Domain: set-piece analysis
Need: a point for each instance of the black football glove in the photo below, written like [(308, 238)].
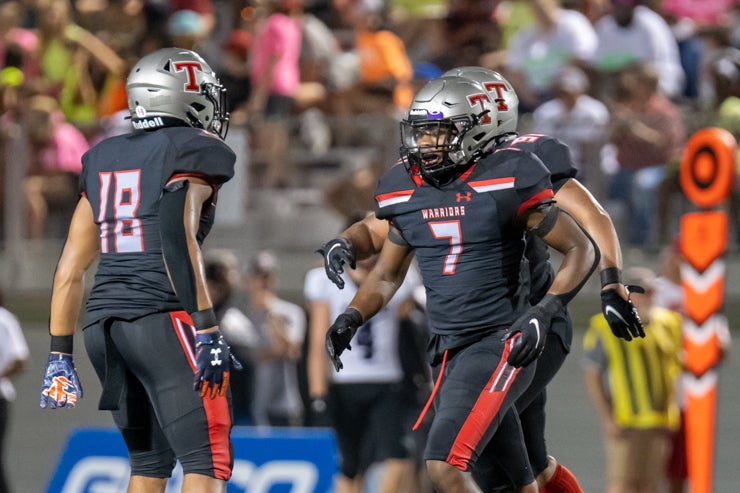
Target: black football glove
[(339, 335), (213, 360), (318, 413), (621, 314), (533, 327), (336, 253)]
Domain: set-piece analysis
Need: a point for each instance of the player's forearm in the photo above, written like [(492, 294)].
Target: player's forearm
[(366, 237), (580, 257), (180, 210), (317, 367), (66, 303)]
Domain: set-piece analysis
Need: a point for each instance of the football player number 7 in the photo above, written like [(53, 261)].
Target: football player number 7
[(450, 231), (122, 188)]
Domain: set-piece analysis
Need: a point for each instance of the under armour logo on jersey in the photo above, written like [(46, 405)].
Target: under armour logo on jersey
[(460, 197), (189, 68), (216, 361)]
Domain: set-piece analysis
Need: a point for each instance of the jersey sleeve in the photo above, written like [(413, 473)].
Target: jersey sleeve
[(531, 181), (394, 190), (81, 180), (203, 154), (558, 160)]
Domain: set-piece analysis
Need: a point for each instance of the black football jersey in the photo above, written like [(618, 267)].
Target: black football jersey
[(537, 272), (123, 179), (467, 240)]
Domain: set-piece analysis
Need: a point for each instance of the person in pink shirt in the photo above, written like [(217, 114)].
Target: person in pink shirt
[(55, 151), (275, 79)]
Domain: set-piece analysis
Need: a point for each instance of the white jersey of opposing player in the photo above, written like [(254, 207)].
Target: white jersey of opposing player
[(374, 355)]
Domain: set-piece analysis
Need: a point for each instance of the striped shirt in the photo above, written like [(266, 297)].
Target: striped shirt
[(641, 374)]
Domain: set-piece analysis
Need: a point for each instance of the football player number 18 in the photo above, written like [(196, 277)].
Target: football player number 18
[(122, 187)]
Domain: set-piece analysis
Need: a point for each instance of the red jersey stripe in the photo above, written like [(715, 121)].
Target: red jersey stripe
[(485, 409), (535, 199)]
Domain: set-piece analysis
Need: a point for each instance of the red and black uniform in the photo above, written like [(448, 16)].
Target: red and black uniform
[(536, 278), (138, 337), (469, 242)]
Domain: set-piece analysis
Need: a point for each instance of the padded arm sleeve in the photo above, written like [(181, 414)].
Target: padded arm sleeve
[(175, 244)]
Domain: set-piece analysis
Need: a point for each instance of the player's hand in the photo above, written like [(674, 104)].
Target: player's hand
[(61, 386), (340, 334), (336, 253), (621, 314), (533, 327), (213, 360), (318, 413)]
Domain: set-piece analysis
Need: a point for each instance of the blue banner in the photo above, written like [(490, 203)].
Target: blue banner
[(269, 460)]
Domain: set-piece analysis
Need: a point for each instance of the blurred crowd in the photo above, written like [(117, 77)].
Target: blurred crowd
[(623, 82)]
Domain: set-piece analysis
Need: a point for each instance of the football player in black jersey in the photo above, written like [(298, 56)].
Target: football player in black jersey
[(365, 238), (464, 213), (147, 201)]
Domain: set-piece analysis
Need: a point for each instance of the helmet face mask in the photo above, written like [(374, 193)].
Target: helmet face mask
[(449, 122), (173, 86)]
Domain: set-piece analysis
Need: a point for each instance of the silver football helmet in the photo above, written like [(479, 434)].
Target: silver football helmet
[(499, 89), (450, 122), (175, 85)]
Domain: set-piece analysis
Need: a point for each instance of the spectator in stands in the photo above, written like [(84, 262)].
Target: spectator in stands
[(632, 33), (74, 62), (56, 147), (578, 120), (632, 387), (687, 20), (281, 326), (364, 403), (369, 109), (647, 132), (275, 80), (187, 29), (536, 53), (223, 280), (235, 74)]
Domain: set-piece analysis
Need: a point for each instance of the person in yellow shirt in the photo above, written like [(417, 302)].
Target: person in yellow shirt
[(632, 386)]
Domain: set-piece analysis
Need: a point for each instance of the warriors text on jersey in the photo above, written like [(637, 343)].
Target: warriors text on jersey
[(123, 178), (467, 240)]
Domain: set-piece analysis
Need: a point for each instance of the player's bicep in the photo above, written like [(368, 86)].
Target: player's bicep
[(83, 241), (395, 257)]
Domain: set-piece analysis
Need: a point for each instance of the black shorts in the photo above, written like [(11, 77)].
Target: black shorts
[(490, 471), (146, 367), (477, 390), (368, 419)]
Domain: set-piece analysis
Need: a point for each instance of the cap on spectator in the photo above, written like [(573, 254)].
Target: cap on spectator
[(238, 42), (571, 79), (263, 263), (185, 23)]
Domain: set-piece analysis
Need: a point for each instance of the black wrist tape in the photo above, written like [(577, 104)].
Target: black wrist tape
[(204, 319), (610, 275), (61, 344)]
